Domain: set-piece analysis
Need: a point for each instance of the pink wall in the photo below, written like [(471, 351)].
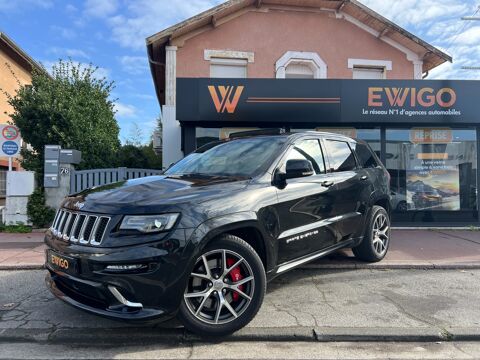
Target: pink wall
[(270, 35)]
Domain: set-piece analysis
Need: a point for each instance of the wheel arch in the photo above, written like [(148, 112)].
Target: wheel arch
[(243, 225), (385, 203)]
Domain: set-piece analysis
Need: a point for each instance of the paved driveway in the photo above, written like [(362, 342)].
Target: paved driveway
[(341, 301)]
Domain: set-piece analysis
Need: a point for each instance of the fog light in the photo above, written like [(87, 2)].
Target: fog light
[(126, 267)]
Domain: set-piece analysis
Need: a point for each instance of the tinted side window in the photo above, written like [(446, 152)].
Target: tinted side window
[(311, 151), (341, 156), (365, 156)]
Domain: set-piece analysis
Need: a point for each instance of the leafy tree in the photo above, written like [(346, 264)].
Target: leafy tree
[(71, 107), (135, 135), (139, 157)]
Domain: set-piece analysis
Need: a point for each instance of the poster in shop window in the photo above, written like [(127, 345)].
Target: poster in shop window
[(432, 170)]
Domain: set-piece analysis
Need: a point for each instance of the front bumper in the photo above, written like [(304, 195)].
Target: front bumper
[(152, 293), (72, 297)]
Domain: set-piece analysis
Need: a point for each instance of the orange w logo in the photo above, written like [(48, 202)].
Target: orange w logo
[(228, 98)]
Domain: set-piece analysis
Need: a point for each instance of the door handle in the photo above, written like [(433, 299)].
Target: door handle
[(327, 183), (364, 177)]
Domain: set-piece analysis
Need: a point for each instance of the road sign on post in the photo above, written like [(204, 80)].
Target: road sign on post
[(9, 142)]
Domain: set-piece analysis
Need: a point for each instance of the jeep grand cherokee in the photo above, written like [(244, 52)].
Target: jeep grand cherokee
[(201, 241)]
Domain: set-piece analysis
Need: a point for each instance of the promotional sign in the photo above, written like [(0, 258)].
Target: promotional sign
[(430, 135), (9, 140), (432, 174), (326, 100)]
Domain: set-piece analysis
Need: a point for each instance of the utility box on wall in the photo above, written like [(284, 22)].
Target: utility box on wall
[(20, 185)]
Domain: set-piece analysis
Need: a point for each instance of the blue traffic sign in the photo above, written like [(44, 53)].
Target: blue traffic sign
[(9, 148)]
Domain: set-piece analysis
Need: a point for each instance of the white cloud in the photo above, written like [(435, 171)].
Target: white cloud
[(143, 18), (71, 8), (21, 5), (144, 96), (134, 65), (73, 53), (66, 33), (125, 110), (415, 12), (101, 8), (100, 72), (439, 23), (470, 36)]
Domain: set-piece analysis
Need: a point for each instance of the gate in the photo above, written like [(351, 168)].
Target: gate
[(84, 179)]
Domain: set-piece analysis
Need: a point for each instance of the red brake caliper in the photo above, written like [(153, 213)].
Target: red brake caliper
[(235, 275)]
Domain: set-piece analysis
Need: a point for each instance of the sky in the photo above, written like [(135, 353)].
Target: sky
[(111, 35)]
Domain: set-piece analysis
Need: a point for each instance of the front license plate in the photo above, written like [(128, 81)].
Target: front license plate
[(62, 263)]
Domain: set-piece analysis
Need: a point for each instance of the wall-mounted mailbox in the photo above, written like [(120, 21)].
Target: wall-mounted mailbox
[(70, 156), (52, 152), (51, 166)]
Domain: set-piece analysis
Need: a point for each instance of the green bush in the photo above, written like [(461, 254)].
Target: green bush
[(38, 213)]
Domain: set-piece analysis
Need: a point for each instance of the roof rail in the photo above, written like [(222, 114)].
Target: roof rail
[(274, 131)]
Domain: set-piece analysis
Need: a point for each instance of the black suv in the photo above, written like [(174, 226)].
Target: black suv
[(201, 241)]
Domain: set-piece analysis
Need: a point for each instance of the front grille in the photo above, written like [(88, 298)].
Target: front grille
[(79, 227)]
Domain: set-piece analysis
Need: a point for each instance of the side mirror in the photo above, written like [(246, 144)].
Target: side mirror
[(296, 168)]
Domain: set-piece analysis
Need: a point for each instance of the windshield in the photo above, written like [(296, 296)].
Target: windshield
[(239, 157)]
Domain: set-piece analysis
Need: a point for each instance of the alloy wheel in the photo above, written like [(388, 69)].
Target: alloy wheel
[(380, 234), (220, 287)]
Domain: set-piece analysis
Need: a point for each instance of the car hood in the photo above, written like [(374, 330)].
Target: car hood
[(153, 194)]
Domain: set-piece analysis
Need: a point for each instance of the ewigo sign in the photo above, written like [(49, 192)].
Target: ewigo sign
[(399, 96), (225, 98), (326, 101)]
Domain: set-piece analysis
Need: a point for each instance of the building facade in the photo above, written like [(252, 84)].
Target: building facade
[(16, 68), (324, 65)]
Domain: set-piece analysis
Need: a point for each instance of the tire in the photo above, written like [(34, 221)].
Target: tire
[(199, 313), (376, 239), (402, 206)]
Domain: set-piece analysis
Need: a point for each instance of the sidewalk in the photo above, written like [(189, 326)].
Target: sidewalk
[(408, 249), (22, 251)]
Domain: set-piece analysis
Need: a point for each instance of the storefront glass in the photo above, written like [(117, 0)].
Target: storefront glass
[(433, 169), (371, 136), (433, 174), (205, 135)]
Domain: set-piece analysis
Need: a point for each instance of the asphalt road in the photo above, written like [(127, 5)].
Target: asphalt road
[(248, 350), (307, 305)]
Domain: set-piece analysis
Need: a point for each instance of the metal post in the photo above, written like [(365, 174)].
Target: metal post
[(122, 173), (478, 174), (383, 145), (10, 167)]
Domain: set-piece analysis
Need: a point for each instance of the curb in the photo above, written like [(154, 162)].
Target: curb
[(137, 336), (378, 266), (22, 267)]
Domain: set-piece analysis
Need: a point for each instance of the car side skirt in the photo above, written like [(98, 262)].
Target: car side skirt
[(297, 262)]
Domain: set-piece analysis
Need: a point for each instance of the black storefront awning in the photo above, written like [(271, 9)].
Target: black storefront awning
[(439, 102)]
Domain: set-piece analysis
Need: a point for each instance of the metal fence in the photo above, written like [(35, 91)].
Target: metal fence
[(84, 179)]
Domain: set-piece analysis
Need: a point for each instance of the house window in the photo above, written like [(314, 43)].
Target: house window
[(369, 69), (360, 72), (228, 68), (300, 65), (299, 71)]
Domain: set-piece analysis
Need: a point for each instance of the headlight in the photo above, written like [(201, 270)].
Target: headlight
[(149, 223)]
